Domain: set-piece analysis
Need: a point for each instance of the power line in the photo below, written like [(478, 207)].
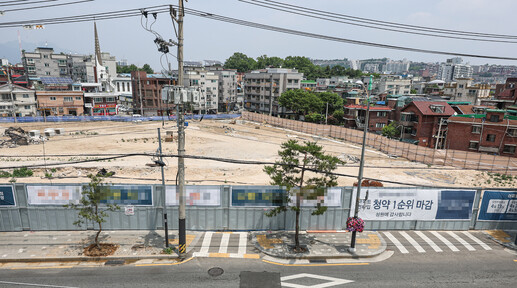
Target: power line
[(17, 4), (312, 13), (392, 24), (47, 6)]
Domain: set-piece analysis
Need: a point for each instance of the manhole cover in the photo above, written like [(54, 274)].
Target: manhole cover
[(215, 271)]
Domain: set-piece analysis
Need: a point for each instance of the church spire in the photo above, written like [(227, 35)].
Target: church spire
[(97, 45)]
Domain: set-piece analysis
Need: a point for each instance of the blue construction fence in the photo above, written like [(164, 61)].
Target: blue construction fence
[(112, 118), (221, 207)]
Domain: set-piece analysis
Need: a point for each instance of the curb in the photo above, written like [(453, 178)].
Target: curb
[(86, 259)]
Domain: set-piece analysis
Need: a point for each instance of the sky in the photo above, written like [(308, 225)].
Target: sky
[(207, 39)]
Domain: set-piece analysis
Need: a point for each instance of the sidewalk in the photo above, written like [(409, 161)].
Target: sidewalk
[(505, 238), (58, 246), (323, 245)]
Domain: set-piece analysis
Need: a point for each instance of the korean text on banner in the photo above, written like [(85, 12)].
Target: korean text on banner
[(7, 196), (498, 205), (53, 194), (195, 196), (413, 204)]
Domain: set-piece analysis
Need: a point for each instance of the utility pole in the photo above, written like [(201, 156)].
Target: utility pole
[(181, 139), (361, 165), (326, 113), (164, 191), (140, 95)]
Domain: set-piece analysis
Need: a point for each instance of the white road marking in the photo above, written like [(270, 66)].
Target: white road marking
[(331, 281), (429, 241), (206, 242), (31, 284), (463, 242), (396, 242), (223, 248), (413, 242), (243, 240), (479, 242), (445, 241)]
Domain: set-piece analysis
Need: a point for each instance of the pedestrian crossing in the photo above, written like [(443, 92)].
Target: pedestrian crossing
[(438, 241), (224, 245)]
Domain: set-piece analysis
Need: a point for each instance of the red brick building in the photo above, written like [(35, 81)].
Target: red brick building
[(505, 95), (147, 94), (492, 133), (378, 118), (421, 120)]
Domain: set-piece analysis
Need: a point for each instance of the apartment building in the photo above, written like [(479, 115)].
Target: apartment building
[(17, 100), (393, 84), (492, 132), (44, 62), (263, 87), (453, 69), (147, 94), (227, 93), (463, 89), (206, 82)]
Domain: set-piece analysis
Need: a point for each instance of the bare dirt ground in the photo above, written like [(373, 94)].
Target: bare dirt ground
[(215, 138)]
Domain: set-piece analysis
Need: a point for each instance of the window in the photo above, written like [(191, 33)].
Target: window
[(110, 99), (78, 98), (31, 70), (476, 129), (97, 99), (47, 65), (460, 86), (512, 132), (510, 149), (45, 56), (47, 73), (437, 108), (380, 125), (214, 81), (68, 99), (30, 61), (381, 114), (25, 96), (494, 118), (474, 145), (52, 98), (62, 62), (27, 107), (118, 87), (490, 137)]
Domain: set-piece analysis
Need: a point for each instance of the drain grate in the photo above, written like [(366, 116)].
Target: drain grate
[(317, 261), (215, 271), (114, 262)]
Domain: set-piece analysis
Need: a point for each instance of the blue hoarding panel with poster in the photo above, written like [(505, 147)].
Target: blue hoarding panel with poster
[(498, 205), (7, 196)]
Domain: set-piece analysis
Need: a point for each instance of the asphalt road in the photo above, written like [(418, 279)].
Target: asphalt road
[(494, 268)]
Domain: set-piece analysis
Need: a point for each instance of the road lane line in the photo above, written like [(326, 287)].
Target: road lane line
[(223, 247), (445, 241), (479, 242), (206, 243), (413, 242), (37, 285), (396, 242), (463, 242), (429, 241), (243, 241)]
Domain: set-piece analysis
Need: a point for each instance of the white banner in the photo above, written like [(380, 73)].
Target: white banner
[(396, 204), (331, 198), (195, 196), (53, 195)]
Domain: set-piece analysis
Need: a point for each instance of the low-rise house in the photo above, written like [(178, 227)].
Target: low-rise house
[(425, 122), (59, 103), (355, 117), (492, 132), (18, 100)]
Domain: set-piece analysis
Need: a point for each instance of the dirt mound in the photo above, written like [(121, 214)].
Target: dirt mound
[(106, 249)]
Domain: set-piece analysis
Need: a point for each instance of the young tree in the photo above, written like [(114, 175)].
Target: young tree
[(89, 207), (391, 131), (302, 169)]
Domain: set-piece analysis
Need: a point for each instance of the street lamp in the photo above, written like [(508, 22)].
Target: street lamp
[(361, 164)]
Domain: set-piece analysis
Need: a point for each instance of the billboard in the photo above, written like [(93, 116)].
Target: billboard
[(7, 196), (498, 205), (195, 196), (53, 194), (414, 204)]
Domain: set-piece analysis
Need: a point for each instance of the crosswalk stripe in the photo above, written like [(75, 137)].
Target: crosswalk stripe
[(463, 242), (479, 242), (242, 243), (429, 241), (223, 247), (396, 242), (206, 242), (413, 242), (445, 241)]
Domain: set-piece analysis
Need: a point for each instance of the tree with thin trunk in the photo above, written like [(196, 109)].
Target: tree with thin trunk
[(89, 207), (305, 171)]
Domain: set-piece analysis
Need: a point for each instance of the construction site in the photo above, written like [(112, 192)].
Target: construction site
[(66, 152)]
